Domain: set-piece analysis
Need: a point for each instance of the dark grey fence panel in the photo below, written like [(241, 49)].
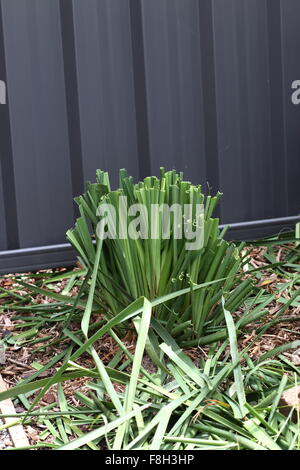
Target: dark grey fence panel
[(203, 86), (3, 240), (105, 85), (174, 86), (290, 72), (38, 121), (243, 103)]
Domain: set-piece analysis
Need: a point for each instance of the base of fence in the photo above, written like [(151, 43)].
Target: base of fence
[(63, 255)]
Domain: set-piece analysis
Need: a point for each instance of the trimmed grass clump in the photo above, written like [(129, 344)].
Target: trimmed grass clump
[(123, 269)]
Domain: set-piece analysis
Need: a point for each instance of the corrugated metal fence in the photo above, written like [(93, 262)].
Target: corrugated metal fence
[(200, 85)]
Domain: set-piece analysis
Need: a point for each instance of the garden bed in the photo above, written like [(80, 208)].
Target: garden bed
[(40, 329)]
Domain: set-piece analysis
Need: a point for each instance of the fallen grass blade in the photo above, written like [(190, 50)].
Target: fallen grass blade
[(237, 372), (100, 432)]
